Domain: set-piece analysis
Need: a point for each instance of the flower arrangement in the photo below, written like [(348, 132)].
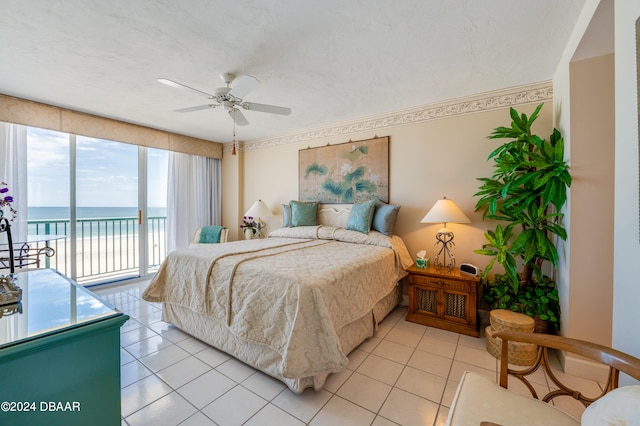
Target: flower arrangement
[(248, 222), (6, 200)]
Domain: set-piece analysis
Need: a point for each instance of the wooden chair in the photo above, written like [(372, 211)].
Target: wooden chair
[(224, 234), (479, 400)]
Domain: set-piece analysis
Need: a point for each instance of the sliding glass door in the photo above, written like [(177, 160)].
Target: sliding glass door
[(107, 198), (107, 224), (156, 196), (48, 194)]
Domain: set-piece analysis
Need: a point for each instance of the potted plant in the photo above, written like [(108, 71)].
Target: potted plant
[(250, 227), (5, 202), (540, 302), (526, 192)]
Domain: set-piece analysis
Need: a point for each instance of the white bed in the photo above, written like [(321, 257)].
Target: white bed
[(293, 305)]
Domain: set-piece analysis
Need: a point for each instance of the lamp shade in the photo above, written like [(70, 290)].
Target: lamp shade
[(259, 209), (445, 211)]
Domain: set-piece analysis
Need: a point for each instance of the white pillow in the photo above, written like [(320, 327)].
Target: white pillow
[(620, 407)]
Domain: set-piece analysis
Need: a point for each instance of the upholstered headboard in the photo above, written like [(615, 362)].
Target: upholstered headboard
[(338, 214), (333, 214)]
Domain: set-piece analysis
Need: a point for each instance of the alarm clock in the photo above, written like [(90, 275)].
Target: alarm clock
[(469, 269)]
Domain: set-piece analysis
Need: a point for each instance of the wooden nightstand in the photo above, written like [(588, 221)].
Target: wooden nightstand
[(443, 299)]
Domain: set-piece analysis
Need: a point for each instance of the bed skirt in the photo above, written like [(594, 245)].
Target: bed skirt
[(264, 358)]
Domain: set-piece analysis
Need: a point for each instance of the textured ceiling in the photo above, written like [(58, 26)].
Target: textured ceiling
[(330, 61)]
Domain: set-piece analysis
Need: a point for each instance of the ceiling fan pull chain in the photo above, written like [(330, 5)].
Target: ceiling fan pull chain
[(233, 150)]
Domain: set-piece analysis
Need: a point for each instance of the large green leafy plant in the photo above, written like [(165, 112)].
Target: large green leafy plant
[(525, 195), (540, 300)]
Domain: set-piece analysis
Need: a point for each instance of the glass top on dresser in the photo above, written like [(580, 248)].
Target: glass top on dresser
[(50, 303)]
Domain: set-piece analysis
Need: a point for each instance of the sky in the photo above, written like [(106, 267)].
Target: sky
[(106, 172)]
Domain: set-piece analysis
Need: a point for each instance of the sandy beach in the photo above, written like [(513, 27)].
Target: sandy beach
[(100, 258)]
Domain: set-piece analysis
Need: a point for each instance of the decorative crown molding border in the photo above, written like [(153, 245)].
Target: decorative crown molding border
[(520, 95)]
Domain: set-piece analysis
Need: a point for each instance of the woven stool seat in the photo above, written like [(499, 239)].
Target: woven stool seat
[(519, 353), (505, 320)]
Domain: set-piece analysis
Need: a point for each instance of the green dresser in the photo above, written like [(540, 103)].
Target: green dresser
[(59, 355)]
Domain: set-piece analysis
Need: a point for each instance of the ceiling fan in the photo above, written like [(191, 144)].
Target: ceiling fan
[(230, 98)]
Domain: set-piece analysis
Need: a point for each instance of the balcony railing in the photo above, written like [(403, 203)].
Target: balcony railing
[(105, 247)]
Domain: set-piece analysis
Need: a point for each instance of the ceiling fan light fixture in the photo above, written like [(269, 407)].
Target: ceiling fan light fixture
[(221, 91), (230, 98), (227, 78)]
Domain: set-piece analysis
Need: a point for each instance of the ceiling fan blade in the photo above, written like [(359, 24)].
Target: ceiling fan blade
[(243, 86), (196, 108), (183, 87), (238, 117), (252, 106)]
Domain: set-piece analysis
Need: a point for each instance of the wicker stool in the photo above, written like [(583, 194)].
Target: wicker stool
[(505, 320)]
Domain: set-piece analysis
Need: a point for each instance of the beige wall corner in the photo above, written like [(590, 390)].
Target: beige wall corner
[(232, 188), (577, 366), (626, 315), (584, 114), (591, 223)]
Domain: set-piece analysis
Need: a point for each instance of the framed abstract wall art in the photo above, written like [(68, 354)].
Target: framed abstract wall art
[(345, 173)]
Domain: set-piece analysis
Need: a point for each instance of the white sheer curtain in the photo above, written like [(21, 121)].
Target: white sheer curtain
[(193, 197), (13, 171)]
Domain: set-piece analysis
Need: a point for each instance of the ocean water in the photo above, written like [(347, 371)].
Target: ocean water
[(91, 223), (57, 213)]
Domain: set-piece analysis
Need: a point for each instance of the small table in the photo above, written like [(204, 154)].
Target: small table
[(26, 251), (59, 354), (444, 299)]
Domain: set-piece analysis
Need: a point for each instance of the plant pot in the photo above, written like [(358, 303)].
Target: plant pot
[(248, 234), (544, 327)]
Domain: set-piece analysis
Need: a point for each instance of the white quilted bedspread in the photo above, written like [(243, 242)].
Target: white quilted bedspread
[(290, 292)]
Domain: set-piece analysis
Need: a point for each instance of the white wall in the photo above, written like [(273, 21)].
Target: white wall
[(626, 298), (562, 120), (626, 240)]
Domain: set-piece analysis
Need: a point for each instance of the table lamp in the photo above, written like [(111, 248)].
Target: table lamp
[(259, 210), (445, 211)]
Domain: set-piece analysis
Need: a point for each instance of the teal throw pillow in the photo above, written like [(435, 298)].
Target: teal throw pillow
[(361, 216), (286, 216), (304, 213), (384, 218)]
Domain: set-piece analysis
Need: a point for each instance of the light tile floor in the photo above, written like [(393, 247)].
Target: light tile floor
[(406, 374)]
